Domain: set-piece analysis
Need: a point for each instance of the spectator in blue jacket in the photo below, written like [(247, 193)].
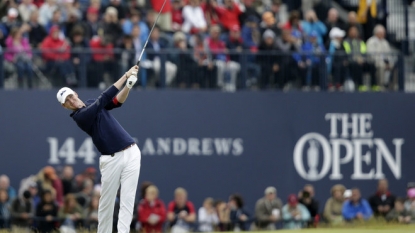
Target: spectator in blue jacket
[(134, 20), (356, 208), (313, 24), (5, 185), (239, 217), (295, 214)]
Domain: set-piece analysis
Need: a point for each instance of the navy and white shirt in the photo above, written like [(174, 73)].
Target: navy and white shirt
[(95, 119)]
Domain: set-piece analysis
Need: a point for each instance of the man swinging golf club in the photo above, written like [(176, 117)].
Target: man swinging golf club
[(121, 159)]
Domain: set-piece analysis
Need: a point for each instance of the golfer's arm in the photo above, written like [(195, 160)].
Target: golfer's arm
[(123, 94), (118, 84)]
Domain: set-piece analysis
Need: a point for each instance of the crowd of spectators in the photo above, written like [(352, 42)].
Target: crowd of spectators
[(48, 201), (223, 44)]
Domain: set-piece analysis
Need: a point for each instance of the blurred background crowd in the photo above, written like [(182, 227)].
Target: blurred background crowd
[(217, 44), (52, 200)]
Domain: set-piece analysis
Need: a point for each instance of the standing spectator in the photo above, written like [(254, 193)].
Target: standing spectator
[(270, 61), (26, 9), (223, 211), (337, 64), (206, 67), (71, 211), (269, 23), (164, 21), (366, 15), (34, 194), (151, 211), (313, 25), (268, 210), (22, 212), (103, 60), (332, 22), (399, 214), (295, 214), (288, 45), (280, 12), (250, 33), (91, 213), (224, 65), (381, 51), (410, 203), (352, 21), (382, 201), (181, 212), (194, 19), (47, 211), (207, 216), (135, 20), (83, 198), (37, 32), (250, 12), (57, 53), (356, 208), (211, 15), (126, 57), (177, 15), (5, 185), (92, 23), (155, 48), (238, 215), (19, 54), (46, 11), (333, 208), (358, 62), (294, 22), (118, 5), (306, 197), (111, 26), (4, 210), (229, 14), (68, 181)]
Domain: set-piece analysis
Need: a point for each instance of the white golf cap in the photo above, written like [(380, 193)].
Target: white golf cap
[(12, 12), (336, 33), (63, 93), (347, 193)]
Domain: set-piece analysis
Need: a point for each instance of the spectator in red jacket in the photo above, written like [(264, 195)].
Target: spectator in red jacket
[(229, 14), (164, 21), (176, 15), (57, 54), (211, 15), (151, 211), (103, 60), (181, 212)]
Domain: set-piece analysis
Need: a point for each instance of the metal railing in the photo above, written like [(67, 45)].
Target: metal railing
[(230, 70)]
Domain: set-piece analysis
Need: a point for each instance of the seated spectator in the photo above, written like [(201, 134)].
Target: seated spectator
[(92, 23), (382, 201), (135, 20), (268, 210), (4, 210), (151, 211), (127, 57), (381, 51), (337, 64), (211, 15), (55, 21), (250, 33), (239, 216), (306, 197), (356, 208), (270, 62), (249, 13), (116, 4), (5, 185), (164, 21), (71, 212), (19, 54), (83, 198), (279, 9), (295, 214), (69, 9), (32, 187), (269, 23), (48, 180), (26, 9), (22, 212), (47, 211), (181, 212), (103, 60), (193, 18), (309, 60), (56, 52), (333, 208), (332, 22), (223, 211), (312, 24), (288, 44), (352, 22), (358, 62), (91, 214), (207, 216), (177, 15), (347, 194), (74, 20), (68, 181), (224, 65), (410, 203), (37, 32), (207, 69), (155, 49), (110, 25), (46, 11), (12, 19), (229, 14), (294, 22), (399, 214)]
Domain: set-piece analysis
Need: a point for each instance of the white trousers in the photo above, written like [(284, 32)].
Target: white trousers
[(171, 70), (121, 169)]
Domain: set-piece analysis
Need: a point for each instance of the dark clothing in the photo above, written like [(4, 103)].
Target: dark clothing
[(91, 29), (107, 134), (189, 208), (43, 210), (359, 28), (329, 26), (4, 215), (250, 12), (120, 9), (233, 44), (112, 31), (267, 59), (236, 222), (155, 48), (68, 186), (187, 70), (37, 34), (20, 206), (312, 207), (274, 28), (379, 199)]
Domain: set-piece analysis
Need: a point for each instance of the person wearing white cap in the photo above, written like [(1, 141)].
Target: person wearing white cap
[(121, 158), (337, 65), (268, 210)]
